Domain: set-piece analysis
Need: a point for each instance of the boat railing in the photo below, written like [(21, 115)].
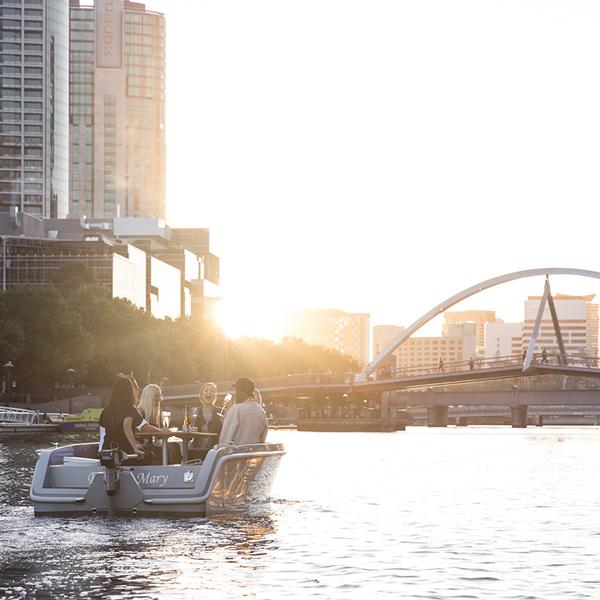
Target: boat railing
[(17, 415)]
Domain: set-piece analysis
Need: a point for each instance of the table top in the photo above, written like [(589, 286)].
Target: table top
[(175, 433)]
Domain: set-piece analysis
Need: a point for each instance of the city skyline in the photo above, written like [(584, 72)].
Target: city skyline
[(322, 193), (381, 159)]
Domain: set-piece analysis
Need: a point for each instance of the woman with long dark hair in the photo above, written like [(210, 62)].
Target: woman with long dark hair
[(121, 418)]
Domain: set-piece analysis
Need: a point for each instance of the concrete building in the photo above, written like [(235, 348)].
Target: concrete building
[(117, 110), (383, 335), (345, 332), (34, 106), (503, 339), (427, 351), (578, 318), (479, 317), (137, 260), (469, 334)]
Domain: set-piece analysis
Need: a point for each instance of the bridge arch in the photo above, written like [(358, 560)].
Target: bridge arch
[(467, 293)]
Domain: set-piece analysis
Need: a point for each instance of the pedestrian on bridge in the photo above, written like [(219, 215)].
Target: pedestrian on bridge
[(544, 356), (471, 363), (441, 365)]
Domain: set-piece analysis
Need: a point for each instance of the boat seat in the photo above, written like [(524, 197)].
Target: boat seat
[(58, 455), (80, 461)]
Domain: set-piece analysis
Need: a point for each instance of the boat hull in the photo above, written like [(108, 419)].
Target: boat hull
[(229, 479)]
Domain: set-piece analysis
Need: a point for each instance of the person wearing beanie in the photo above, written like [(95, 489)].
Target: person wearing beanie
[(246, 421)]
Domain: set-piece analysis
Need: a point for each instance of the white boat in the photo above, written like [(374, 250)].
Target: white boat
[(73, 480)]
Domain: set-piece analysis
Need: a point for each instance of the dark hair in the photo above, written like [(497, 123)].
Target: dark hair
[(244, 388), (122, 398)]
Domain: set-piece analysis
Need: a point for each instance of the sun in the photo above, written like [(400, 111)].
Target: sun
[(248, 319)]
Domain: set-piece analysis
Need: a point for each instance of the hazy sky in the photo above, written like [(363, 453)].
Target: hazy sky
[(380, 156)]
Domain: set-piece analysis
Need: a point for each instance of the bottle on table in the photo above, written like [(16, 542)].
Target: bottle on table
[(186, 420)]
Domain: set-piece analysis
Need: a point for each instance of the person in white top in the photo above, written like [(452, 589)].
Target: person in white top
[(246, 421)]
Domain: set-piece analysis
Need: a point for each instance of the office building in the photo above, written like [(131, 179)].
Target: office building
[(503, 339), (117, 110), (134, 258), (578, 319), (345, 332), (479, 317), (382, 336), (427, 352), (34, 106)]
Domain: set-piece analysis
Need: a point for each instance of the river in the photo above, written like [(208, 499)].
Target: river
[(478, 512)]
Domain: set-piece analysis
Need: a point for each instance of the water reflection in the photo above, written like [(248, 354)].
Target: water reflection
[(478, 512), (130, 557), (124, 557)]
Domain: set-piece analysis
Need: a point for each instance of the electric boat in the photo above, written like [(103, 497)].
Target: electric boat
[(78, 480)]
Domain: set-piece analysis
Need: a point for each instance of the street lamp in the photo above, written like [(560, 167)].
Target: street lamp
[(8, 368), (71, 378)]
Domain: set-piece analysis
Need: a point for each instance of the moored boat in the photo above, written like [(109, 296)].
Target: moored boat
[(73, 480), (86, 421)]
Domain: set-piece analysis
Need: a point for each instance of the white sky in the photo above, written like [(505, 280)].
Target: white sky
[(380, 156)]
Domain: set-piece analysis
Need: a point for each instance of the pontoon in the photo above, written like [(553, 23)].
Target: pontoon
[(76, 479)]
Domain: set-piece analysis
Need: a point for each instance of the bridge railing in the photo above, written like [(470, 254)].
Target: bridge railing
[(511, 360), (295, 380)]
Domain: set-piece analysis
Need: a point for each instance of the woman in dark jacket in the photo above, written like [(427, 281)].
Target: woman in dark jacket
[(120, 419), (208, 419)]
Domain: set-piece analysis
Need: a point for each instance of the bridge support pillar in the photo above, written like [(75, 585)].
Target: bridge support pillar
[(518, 415), (437, 416)]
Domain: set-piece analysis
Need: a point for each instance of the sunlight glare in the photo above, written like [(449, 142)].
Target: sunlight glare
[(249, 319)]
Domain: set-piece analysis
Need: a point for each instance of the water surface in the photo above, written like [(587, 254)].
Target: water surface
[(426, 513)]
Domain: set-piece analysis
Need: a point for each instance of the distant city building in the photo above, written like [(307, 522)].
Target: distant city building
[(135, 258), (469, 334), (503, 339), (427, 351), (34, 106), (578, 319), (479, 317), (345, 332), (383, 335), (117, 110)]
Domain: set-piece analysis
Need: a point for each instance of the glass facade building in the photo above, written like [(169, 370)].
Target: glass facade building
[(117, 119), (34, 111)]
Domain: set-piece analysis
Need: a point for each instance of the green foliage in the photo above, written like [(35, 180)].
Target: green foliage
[(46, 330)]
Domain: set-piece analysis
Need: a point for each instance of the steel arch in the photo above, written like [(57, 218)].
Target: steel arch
[(471, 291)]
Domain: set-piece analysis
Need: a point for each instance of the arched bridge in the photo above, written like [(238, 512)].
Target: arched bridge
[(480, 287), (374, 379)]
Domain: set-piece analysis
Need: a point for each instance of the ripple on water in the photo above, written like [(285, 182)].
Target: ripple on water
[(472, 514)]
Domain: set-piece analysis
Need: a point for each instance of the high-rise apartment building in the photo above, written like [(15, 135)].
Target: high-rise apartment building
[(117, 111), (34, 106)]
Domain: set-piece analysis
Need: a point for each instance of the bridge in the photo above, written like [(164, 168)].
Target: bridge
[(384, 383)]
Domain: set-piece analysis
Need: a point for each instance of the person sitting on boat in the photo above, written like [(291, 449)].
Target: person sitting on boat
[(246, 421), (149, 408), (208, 420), (121, 418)]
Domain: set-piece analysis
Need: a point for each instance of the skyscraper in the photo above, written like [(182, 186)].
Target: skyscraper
[(117, 115), (34, 111)]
